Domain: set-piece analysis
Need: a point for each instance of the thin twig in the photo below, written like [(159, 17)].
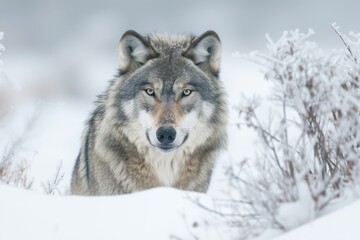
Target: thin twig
[(345, 43)]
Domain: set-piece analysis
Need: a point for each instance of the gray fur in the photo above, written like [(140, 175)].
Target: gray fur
[(120, 152)]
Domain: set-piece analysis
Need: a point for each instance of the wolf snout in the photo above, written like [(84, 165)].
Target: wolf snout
[(166, 135)]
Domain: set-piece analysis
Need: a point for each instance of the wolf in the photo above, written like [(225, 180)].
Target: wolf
[(161, 121)]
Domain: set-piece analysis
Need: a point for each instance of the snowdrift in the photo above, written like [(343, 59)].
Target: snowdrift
[(341, 224), (161, 213)]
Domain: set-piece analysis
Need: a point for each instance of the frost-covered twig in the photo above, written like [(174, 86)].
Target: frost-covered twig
[(336, 29)]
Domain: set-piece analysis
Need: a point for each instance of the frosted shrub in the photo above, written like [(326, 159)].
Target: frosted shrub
[(308, 153), (14, 173)]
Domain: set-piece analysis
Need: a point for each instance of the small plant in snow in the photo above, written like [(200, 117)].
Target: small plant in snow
[(52, 187), (14, 173), (308, 152)]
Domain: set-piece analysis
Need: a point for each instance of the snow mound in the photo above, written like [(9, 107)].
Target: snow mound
[(161, 213), (341, 224)]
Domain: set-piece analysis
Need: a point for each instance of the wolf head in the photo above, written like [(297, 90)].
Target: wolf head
[(168, 95)]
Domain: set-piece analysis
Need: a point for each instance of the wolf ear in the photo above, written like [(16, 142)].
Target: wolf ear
[(134, 51), (205, 52)]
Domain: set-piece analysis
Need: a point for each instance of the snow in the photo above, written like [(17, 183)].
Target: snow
[(154, 214), (303, 209), (341, 224)]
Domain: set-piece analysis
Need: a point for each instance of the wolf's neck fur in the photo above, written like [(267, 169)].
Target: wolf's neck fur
[(166, 165)]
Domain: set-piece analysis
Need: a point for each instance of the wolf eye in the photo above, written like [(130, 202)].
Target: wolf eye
[(150, 91), (187, 92)]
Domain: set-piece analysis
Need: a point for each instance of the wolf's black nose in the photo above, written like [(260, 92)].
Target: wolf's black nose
[(166, 135)]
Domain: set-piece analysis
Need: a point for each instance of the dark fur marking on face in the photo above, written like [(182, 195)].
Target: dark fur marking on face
[(120, 114), (131, 87), (129, 91), (148, 107), (188, 107), (205, 90)]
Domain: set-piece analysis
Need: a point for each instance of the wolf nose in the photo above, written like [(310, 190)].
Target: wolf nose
[(166, 135)]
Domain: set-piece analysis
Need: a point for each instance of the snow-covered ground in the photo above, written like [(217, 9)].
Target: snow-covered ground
[(161, 213), (341, 224)]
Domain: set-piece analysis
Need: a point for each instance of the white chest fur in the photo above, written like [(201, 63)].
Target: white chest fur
[(166, 165)]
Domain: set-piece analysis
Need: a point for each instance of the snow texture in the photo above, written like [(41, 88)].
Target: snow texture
[(341, 224), (161, 213)]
